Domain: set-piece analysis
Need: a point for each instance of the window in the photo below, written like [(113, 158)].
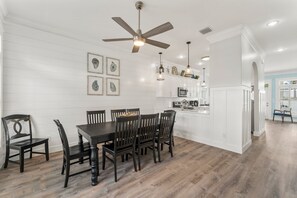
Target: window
[(288, 94)]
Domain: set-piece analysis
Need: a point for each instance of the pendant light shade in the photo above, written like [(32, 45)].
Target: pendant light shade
[(188, 72), (161, 69), (203, 82)]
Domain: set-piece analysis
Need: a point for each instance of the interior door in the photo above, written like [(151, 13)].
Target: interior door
[(268, 113)]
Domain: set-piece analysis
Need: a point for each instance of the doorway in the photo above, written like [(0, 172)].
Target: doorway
[(255, 99)]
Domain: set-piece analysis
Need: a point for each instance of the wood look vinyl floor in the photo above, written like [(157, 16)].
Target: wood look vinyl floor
[(267, 169)]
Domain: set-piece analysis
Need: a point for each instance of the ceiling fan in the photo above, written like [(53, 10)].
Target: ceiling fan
[(138, 38)]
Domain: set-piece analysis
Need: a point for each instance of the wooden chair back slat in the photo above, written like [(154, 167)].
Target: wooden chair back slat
[(148, 127), (117, 113), (95, 117)]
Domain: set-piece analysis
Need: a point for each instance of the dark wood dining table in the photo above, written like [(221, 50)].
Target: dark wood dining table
[(96, 133)]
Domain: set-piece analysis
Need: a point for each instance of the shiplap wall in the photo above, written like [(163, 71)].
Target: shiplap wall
[(45, 75)]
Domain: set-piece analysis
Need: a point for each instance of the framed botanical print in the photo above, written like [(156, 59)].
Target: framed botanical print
[(95, 85), (95, 63), (112, 87), (112, 66)]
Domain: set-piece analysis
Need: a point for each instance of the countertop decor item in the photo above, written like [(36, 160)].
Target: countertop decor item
[(95, 63), (138, 38), (174, 70)]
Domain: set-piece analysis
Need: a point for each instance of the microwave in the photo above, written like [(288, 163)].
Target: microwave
[(182, 92)]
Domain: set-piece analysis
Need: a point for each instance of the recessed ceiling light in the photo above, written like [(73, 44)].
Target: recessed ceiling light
[(181, 56), (200, 63), (205, 58), (272, 23), (280, 50)]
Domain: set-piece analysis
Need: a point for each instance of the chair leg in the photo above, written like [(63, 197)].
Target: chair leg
[(282, 118), (134, 160), (162, 147), (172, 140), (63, 167), (154, 153), (159, 154), (273, 118), (46, 151), (103, 159), (115, 168), (67, 173), (145, 150), (292, 119), (21, 160), (123, 158), (6, 155), (31, 149), (170, 147), (138, 155), (127, 157)]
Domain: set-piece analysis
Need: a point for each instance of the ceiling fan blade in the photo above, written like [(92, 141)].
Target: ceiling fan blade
[(117, 39), (135, 49), (158, 30), (124, 25), (157, 43)]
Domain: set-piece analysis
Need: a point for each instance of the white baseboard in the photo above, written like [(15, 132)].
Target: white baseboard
[(246, 146), (228, 147), (259, 133)]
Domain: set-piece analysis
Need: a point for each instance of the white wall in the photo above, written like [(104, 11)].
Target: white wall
[(45, 75), (225, 63), (2, 140)]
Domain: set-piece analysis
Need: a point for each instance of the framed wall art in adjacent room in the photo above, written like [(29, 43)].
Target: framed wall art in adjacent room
[(95, 63), (112, 66), (95, 85), (112, 87)]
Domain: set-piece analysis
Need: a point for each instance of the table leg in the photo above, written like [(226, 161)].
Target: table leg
[(94, 164), (81, 146)]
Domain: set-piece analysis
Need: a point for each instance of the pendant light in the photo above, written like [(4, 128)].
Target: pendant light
[(203, 82), (161, 69), (188, 72)]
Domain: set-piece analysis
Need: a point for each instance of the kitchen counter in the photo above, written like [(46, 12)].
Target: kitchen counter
[(204, 111)]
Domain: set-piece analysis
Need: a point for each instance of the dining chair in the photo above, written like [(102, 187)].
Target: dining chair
[(71, 153), (171, 130), (95, 117), (135, 111), (18, 136), (147, 134), (116, 113), (164, 135), (124, 141)]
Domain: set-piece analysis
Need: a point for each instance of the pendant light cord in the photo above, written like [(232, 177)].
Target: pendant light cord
[(188, 54), (139, 19)]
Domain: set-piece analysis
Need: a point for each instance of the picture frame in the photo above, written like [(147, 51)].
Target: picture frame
[(113, 66), (113, 86), (95, 85), (95, 63)]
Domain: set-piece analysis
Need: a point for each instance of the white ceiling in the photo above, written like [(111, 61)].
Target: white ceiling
[(92, 18)]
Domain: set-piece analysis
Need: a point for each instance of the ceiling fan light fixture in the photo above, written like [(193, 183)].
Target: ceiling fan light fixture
[(139, 41)]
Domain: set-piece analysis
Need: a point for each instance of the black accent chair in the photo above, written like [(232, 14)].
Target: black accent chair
[(135, 111), (147, 134), (124, 141), (164, 133), (171, 130), (283, 113), (95, 117), (72, 153), (117, 113), (25, 142)]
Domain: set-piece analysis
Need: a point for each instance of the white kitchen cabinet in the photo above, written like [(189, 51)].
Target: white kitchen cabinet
[(168, 87)]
